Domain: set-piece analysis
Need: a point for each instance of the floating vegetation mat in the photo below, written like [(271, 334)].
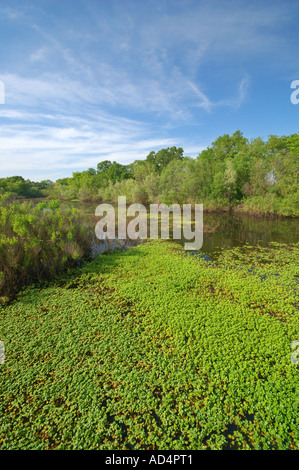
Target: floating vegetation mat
[(151, 349)]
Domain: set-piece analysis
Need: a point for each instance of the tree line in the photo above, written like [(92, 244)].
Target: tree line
[(233, 172)]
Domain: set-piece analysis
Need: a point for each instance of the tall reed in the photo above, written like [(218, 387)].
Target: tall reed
[(38, 241)]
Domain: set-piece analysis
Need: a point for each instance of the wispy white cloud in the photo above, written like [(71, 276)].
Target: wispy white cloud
[(203, 101), (241, 94), (11, 13), (39, 55), (98, 85), (142, 62), (72, 144)]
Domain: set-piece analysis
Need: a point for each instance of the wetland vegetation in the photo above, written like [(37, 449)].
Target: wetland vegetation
[(257, 176), (154, 347)]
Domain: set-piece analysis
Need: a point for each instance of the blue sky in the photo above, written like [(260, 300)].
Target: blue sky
[(94, 80)]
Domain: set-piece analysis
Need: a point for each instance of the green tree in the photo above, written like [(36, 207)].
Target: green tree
[(103, 166), (118, 172), (113, 172), (174, 182), (228, 146), (163, 157)]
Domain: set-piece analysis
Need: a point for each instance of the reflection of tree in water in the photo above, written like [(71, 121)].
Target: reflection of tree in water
[(237, 230), (227, 230)]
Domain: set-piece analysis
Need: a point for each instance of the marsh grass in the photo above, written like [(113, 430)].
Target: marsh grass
[(38, 241)]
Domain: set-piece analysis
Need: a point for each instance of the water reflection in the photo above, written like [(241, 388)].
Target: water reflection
[(237, 230), (227, 230)]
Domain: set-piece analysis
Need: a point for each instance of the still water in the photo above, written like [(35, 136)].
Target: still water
[(227, 230)]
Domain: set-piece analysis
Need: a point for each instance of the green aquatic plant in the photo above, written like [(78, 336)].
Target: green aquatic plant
[(151, 348)]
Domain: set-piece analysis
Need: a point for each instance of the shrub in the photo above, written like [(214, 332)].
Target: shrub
[(37, 241)]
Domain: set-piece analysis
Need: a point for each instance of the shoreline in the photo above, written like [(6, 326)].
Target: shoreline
[(234, 210)]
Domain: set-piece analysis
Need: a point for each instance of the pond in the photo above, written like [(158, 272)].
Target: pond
[(228, 230)]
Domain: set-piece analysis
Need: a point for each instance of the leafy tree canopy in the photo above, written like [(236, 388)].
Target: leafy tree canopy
[(163, 157)]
